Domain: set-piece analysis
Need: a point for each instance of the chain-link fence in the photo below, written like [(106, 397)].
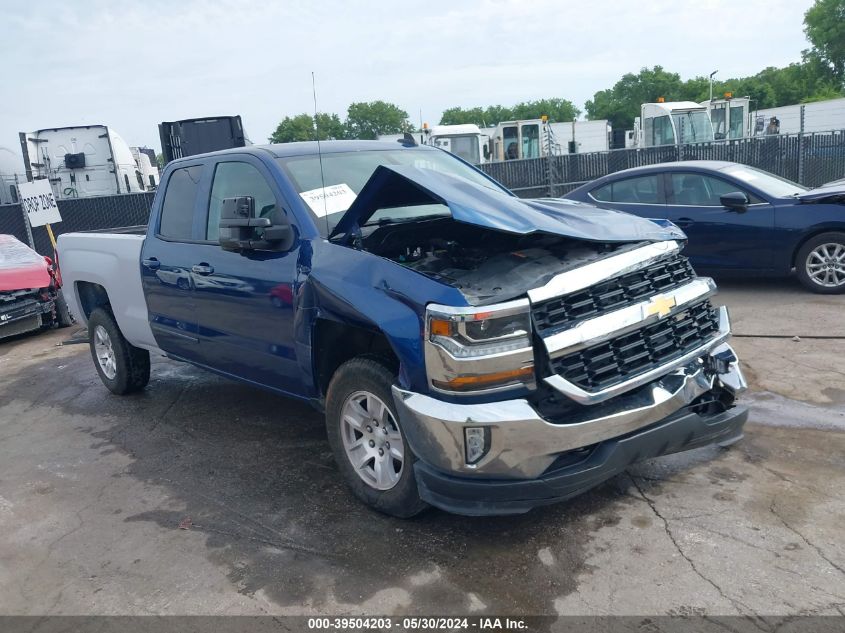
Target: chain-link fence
[(80, 214), (810, 159)]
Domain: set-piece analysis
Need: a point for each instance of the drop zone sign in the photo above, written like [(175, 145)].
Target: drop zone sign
[(38, 203)]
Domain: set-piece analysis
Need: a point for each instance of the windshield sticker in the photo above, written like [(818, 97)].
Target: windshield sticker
[(327, 200)]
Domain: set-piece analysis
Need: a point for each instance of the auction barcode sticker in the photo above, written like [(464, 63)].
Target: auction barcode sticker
[(327, 200)]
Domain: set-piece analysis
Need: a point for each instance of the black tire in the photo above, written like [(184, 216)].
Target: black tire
[(131, 364), (833, 237), (63, 317), (370, 375)]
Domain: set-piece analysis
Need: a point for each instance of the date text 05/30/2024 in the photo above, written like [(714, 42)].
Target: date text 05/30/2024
[(418, 623)]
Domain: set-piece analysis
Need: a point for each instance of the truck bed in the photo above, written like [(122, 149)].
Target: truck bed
[(111, 259)]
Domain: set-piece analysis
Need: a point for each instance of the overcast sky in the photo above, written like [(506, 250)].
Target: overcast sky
[(132, 65)]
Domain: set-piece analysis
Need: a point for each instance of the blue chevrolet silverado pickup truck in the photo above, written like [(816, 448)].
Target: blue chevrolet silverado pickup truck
[(471, 351)]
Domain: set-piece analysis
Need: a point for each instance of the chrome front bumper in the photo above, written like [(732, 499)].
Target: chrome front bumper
[(522, 445)]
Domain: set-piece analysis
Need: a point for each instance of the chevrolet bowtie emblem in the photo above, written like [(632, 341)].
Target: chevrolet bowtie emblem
[(660, 305)]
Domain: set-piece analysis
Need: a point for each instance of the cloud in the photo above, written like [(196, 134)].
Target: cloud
[(132, 66)]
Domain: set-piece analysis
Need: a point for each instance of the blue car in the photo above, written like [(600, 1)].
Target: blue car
[(740, 220)]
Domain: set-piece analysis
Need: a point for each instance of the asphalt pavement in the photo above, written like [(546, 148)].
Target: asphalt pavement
[(204, 496)]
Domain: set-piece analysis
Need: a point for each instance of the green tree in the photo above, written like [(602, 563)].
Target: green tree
[(824, 24), (368, 120), (621, 103), (558, 110), (495, 114), (301, 128), (459, 116)]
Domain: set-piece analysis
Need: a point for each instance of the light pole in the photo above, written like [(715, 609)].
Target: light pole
[(711, 84)]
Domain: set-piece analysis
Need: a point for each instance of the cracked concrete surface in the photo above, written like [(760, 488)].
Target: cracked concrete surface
[(93, 489)]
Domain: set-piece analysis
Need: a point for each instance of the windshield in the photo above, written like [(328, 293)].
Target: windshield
[(693, 127), (346, 173), (465, 147), (774, 186)]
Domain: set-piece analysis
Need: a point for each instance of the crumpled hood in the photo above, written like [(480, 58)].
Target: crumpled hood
[(834, 189), (400, 185), (21, 267)]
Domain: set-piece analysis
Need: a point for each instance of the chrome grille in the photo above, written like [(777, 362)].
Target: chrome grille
[(560, 312), (627, 356)]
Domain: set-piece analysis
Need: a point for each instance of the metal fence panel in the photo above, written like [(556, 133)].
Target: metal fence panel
[(810, 159), (80, 214)]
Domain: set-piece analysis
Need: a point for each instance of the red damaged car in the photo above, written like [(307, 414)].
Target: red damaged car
[(30, 290)]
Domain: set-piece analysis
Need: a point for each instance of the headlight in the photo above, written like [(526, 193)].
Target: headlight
[(479, 348)]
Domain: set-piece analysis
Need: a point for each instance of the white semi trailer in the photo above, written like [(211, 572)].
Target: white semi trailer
[(818, 116), (81, 161)]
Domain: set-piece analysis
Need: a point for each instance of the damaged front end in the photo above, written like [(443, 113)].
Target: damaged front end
[(488, 244), (584, 341)]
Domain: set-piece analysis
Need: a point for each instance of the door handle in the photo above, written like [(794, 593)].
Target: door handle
[(684, 222), (151, 263), (202, 269)]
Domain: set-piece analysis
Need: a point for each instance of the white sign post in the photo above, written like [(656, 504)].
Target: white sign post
[(39, 205)]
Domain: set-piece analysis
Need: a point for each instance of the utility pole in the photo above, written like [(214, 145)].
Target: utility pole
[(711, 84)]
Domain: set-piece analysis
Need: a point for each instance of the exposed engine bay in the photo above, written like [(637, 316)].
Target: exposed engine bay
[(487, 266)]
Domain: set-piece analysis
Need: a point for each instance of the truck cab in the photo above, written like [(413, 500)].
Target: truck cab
[(465, 141), (730, 117), (672, 123), (513, 140)]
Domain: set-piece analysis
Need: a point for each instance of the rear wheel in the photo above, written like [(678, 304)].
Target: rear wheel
[(821, 263), (367, 441), (122, 367)]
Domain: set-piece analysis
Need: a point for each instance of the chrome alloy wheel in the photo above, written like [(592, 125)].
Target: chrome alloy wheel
[(372, 440), (826, 265), (105, 352)]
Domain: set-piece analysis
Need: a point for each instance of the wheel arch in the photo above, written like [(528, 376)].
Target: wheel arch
[(91, 296), (814, 232), (336, 342)]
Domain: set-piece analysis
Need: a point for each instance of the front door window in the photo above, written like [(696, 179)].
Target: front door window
[(510, 142)]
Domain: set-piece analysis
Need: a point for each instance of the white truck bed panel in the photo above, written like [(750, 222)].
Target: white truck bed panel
[(113, 261)]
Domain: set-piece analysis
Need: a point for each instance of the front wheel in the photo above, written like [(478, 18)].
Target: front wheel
[(821, 263), (122, 367), (367, 441)]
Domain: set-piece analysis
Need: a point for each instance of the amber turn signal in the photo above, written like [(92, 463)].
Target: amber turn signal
[(440, 327), (473, 383)]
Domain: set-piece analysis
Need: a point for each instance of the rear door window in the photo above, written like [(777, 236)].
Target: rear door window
[(642, 190), (177, 210)]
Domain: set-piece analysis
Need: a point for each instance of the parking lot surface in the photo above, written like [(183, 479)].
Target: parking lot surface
[(204, 496)]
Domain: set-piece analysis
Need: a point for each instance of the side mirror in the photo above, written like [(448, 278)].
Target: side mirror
[(240, 230), (486, 152), (735, 201)]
